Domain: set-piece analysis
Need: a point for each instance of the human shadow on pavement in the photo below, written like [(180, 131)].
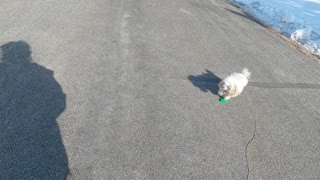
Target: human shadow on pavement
[(206, 82), (240, 14), (30, 102), (246, 16)]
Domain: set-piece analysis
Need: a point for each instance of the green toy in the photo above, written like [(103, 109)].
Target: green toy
[(223, 100)]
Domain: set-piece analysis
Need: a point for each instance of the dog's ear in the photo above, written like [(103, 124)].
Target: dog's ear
[(233, 90)]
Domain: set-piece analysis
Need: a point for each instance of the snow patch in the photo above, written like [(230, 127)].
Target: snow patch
[(297, 19), (301, 35)]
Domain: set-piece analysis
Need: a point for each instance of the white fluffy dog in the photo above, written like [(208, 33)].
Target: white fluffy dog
[(233, 84)]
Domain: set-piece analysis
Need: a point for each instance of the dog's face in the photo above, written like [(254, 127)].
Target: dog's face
[(227, 90), (224, 88)]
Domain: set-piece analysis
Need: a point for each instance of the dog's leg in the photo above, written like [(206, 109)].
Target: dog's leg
[(227, 97), (233, 91)]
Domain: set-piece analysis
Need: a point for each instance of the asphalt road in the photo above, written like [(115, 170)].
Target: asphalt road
[(119, 89)]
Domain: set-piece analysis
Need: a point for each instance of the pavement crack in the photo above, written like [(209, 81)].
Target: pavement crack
[(251, 140)]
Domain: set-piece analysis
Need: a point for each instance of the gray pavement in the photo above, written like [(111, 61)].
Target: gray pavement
[(123, 89)]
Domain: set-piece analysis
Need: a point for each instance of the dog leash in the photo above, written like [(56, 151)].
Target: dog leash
[(252, 138)]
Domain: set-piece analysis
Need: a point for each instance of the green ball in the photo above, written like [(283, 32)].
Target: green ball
[(223, 100)]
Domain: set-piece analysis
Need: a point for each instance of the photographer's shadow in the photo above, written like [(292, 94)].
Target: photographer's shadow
[(30, 102), (206, 82)]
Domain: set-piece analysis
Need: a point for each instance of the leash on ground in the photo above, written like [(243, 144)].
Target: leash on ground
[(252, 138)]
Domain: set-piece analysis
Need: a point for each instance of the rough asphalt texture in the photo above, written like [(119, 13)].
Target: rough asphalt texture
[(123, 89)]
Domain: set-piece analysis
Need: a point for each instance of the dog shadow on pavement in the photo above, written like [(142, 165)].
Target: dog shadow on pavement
[(30, 102), (206, 82)]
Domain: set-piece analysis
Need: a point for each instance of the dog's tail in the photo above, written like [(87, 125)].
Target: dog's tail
[(246, 72)]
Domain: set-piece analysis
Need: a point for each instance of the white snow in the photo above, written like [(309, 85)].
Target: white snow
[(302, 35), (298, 19)]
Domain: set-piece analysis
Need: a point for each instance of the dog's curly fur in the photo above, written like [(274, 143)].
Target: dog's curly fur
[(234, 84)]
